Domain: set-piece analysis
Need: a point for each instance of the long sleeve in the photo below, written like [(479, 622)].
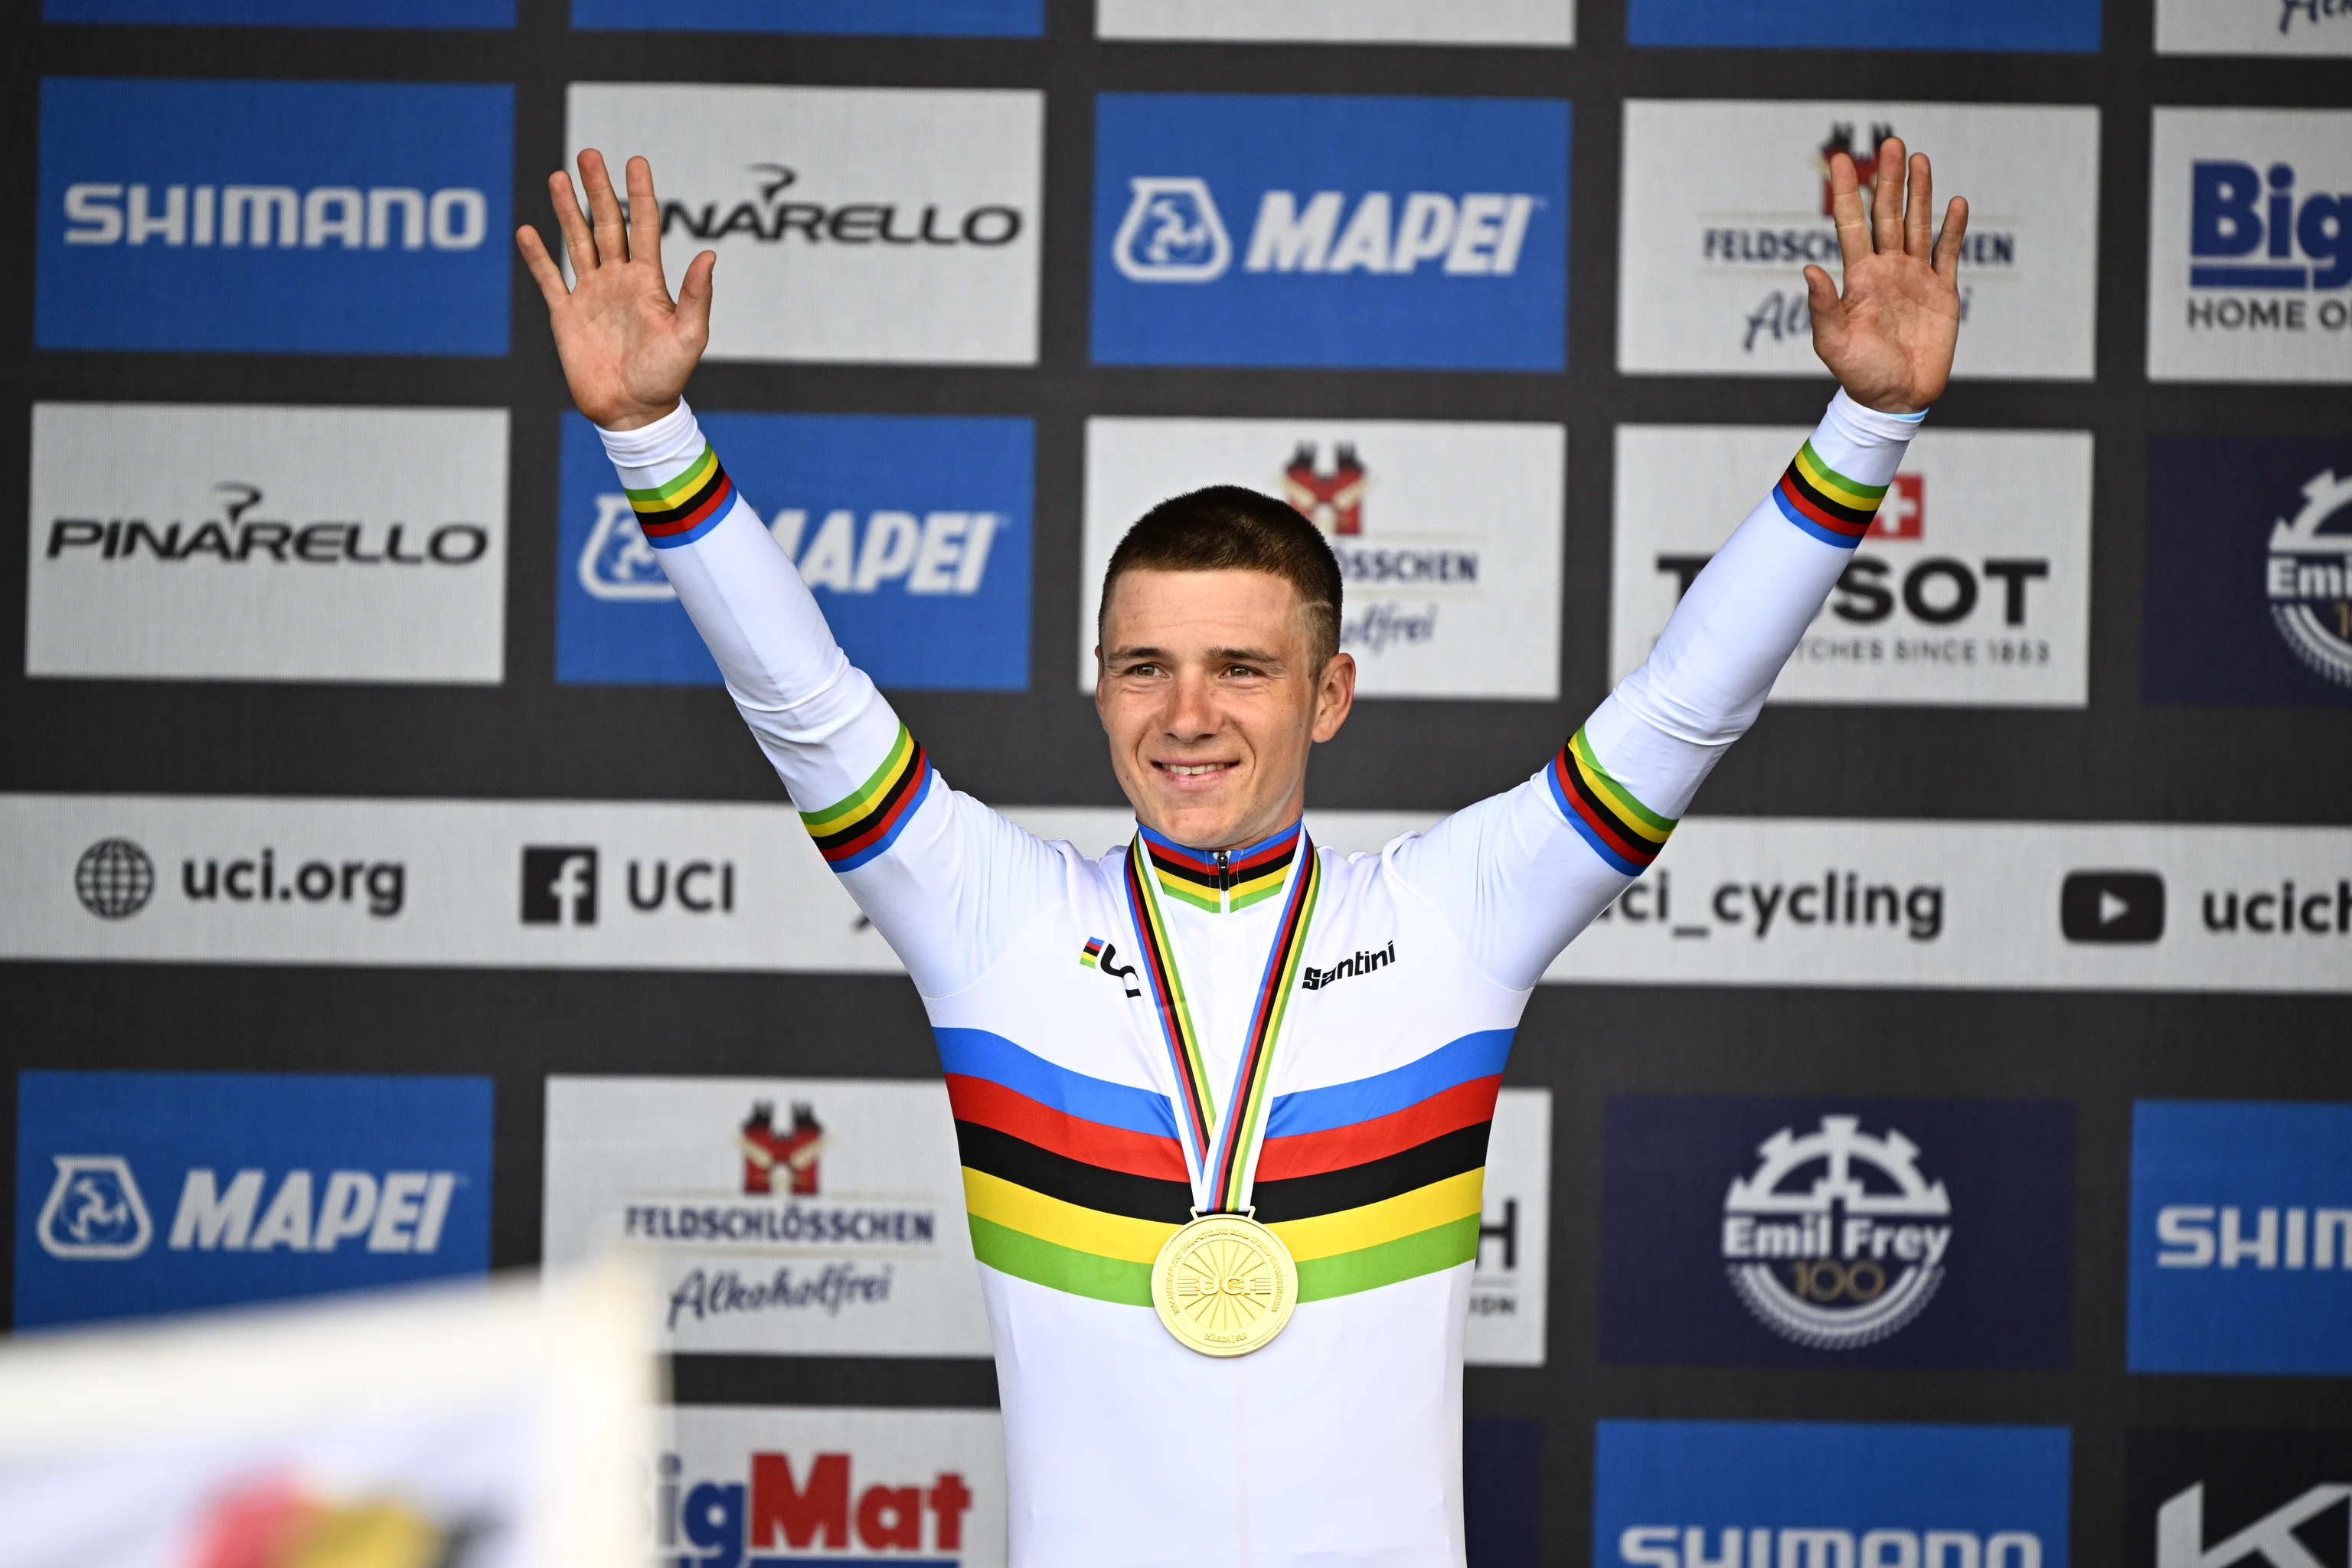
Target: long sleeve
[(1520, 873), (945, 881)]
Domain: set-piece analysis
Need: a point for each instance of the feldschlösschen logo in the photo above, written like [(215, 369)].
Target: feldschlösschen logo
[(114, 879), (1921, 1233), (1822, 1254), (94, 1209), (2309, 577)]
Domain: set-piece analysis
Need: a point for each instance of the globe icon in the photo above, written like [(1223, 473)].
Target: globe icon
[(114, 879)]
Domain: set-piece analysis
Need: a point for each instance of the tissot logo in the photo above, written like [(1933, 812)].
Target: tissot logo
[(1795, 1232), (1329, 231), (310, 216), (2111, 906)]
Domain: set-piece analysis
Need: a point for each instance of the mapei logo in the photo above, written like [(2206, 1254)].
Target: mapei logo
[(145, 1193), (938, 552), (779, 1513), (1252, 229), (1173, 233), (1823, 1255), (304, 216), (94, 1210)]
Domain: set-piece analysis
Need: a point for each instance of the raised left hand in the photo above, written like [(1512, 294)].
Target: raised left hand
[(1889, 339)]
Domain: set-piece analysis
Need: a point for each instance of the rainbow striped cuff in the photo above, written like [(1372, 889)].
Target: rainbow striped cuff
[(687, 507), (1620, 829), (1826, 503), (852, 831)]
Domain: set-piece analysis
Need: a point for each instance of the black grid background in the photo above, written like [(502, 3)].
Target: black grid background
[(2116, 761)]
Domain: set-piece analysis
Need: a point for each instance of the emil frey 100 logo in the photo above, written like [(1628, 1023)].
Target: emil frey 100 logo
[(1826, 1256), (2309, 576)]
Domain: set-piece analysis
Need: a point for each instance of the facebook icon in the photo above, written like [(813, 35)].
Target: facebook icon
[(559, 885)]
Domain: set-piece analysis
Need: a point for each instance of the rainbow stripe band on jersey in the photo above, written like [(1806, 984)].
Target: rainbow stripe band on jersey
[(1826, 503), (1621, 830), (854, 831), (1246, 877), (688, 506), (1074, 1183)]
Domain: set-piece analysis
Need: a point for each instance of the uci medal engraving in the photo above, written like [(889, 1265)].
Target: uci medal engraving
[(1224, 1285)]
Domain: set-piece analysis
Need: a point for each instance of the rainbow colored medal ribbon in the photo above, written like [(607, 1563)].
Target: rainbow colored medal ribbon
[(1224, 1285)]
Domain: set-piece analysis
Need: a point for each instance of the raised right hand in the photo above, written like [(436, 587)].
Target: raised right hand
[(628, 348)]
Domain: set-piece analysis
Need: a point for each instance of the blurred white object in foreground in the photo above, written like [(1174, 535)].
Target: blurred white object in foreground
[(475, 1427)]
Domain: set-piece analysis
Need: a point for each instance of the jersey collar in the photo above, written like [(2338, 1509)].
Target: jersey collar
[(1222, 881)]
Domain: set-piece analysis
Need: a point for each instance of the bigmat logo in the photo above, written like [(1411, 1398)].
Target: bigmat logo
[(2237, 1499), (2066, 27), (1724, 203), (1448, 535), (2249, 574), (1341, 21), (2242, 1237), (913, 531), (2249, 246), (2254, 27), (956, 19), (310, 218), (1422, 233), (141, 1192), (874, 224), (774, 1486), (1850, 1233), (222, 543), (1740, 1494), (1972, 588)]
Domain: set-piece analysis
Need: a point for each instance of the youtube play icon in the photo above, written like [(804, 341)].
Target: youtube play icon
[(2112, 906)]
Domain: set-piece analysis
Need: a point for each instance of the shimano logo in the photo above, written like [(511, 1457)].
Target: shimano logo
[(379, 218), (2224, 1236), (1173, 233), (1687, 1546)]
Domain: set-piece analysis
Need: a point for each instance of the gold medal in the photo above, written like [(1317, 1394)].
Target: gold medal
[(1224, 1285)]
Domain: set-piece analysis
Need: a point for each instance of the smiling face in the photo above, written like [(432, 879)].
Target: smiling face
[(1210, 691)]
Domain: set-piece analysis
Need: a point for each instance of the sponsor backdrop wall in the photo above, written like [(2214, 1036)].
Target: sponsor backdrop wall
[(1938, 1161)]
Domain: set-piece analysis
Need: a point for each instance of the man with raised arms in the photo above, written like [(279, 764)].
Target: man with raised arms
[(1225, 1218)]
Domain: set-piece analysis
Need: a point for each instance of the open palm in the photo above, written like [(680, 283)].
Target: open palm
[(1889, 339), (628, 348)]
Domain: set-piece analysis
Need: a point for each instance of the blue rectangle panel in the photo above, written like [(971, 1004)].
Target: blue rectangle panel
[(140, 1193), (287, 13), (2242, 1234), (1405, 233), (2001, 26), (913, 531), (274, 216)]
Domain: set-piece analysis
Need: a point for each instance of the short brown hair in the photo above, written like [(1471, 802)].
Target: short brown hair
[(1227, 528)]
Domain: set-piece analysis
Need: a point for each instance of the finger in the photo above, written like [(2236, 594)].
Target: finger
[(1948, 249), (1846, 208), (694, 296), (1886, 198), (542, 265), (1919, 205), (645, 215), (603, 207), (1822, 300), (576, 241)]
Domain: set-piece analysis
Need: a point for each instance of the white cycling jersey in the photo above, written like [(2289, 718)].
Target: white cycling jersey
[(1341, 1442)]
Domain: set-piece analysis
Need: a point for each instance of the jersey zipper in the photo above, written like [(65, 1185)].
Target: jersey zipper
[(1224, 884)]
